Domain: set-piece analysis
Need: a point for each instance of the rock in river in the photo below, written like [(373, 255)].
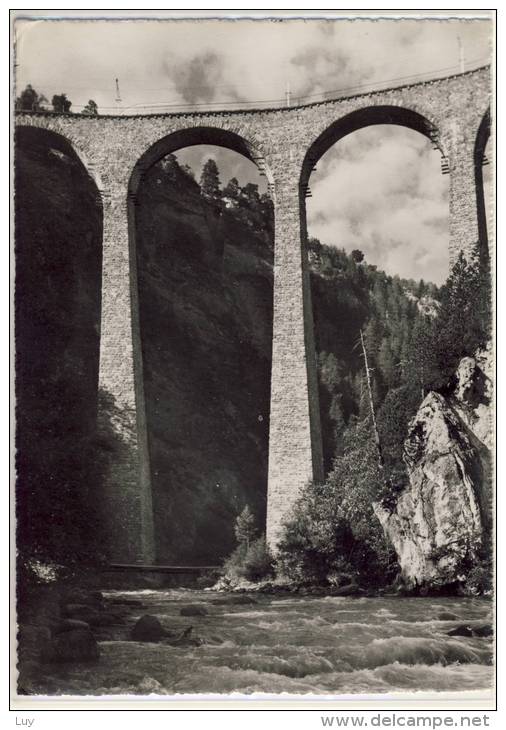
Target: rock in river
[(352, 589), (461, 631), (485, 630), (77, 645), (69, 624), (148, 628), (240, 600), (193, 610)]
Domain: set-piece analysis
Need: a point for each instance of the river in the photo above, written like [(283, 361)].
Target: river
[(294, 644)]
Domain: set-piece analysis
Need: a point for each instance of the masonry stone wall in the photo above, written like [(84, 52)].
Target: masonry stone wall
[(283, 143)]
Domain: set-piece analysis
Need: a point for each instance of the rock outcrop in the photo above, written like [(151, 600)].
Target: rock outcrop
[(439, 519), (473, 395)]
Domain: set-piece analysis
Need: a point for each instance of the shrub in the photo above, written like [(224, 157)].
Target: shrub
[(333, 528), (252, 562), (479, 580)]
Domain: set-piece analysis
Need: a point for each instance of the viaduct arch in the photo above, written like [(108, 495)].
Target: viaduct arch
[(284, 144)]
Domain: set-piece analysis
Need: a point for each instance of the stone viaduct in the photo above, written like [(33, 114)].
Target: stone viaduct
[(285, 144)]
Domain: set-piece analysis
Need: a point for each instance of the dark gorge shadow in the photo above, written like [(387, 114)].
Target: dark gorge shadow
[(58, 254), (205, 268)]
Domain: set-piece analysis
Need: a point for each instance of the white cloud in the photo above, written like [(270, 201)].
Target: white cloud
[(381, 190)]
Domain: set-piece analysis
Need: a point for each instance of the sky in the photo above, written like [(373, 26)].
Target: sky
[(379, 189)]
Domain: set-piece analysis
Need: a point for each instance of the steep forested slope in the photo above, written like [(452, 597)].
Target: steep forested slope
[(205, 284)]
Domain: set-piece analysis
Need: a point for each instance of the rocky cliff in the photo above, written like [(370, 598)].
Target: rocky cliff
[(439, 522)]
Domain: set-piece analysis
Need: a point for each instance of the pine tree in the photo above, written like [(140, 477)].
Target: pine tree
[(421, 289), (373, 336), (420, 368), (245, 529), (232, 190), (210, 180), (387, 362)]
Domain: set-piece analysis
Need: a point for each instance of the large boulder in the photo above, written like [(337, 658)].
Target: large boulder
[(78, 645), (148, 628), (436, 525)]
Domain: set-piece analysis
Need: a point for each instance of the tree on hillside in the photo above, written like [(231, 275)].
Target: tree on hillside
[(250, 196), (374, 333), (170, 166), (210, 180), (387, 362), (419, 368), (464, 322), (91, 108), (398, 408), (357, 255), (187, 170), (177, 172), (29, 100), (266, 208), (421, 289), (232, 190), (61, 104)]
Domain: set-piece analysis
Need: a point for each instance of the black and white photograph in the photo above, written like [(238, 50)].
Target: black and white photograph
[(253, 360)]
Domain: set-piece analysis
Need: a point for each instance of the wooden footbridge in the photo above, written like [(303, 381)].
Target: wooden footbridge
[(168, 569)]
